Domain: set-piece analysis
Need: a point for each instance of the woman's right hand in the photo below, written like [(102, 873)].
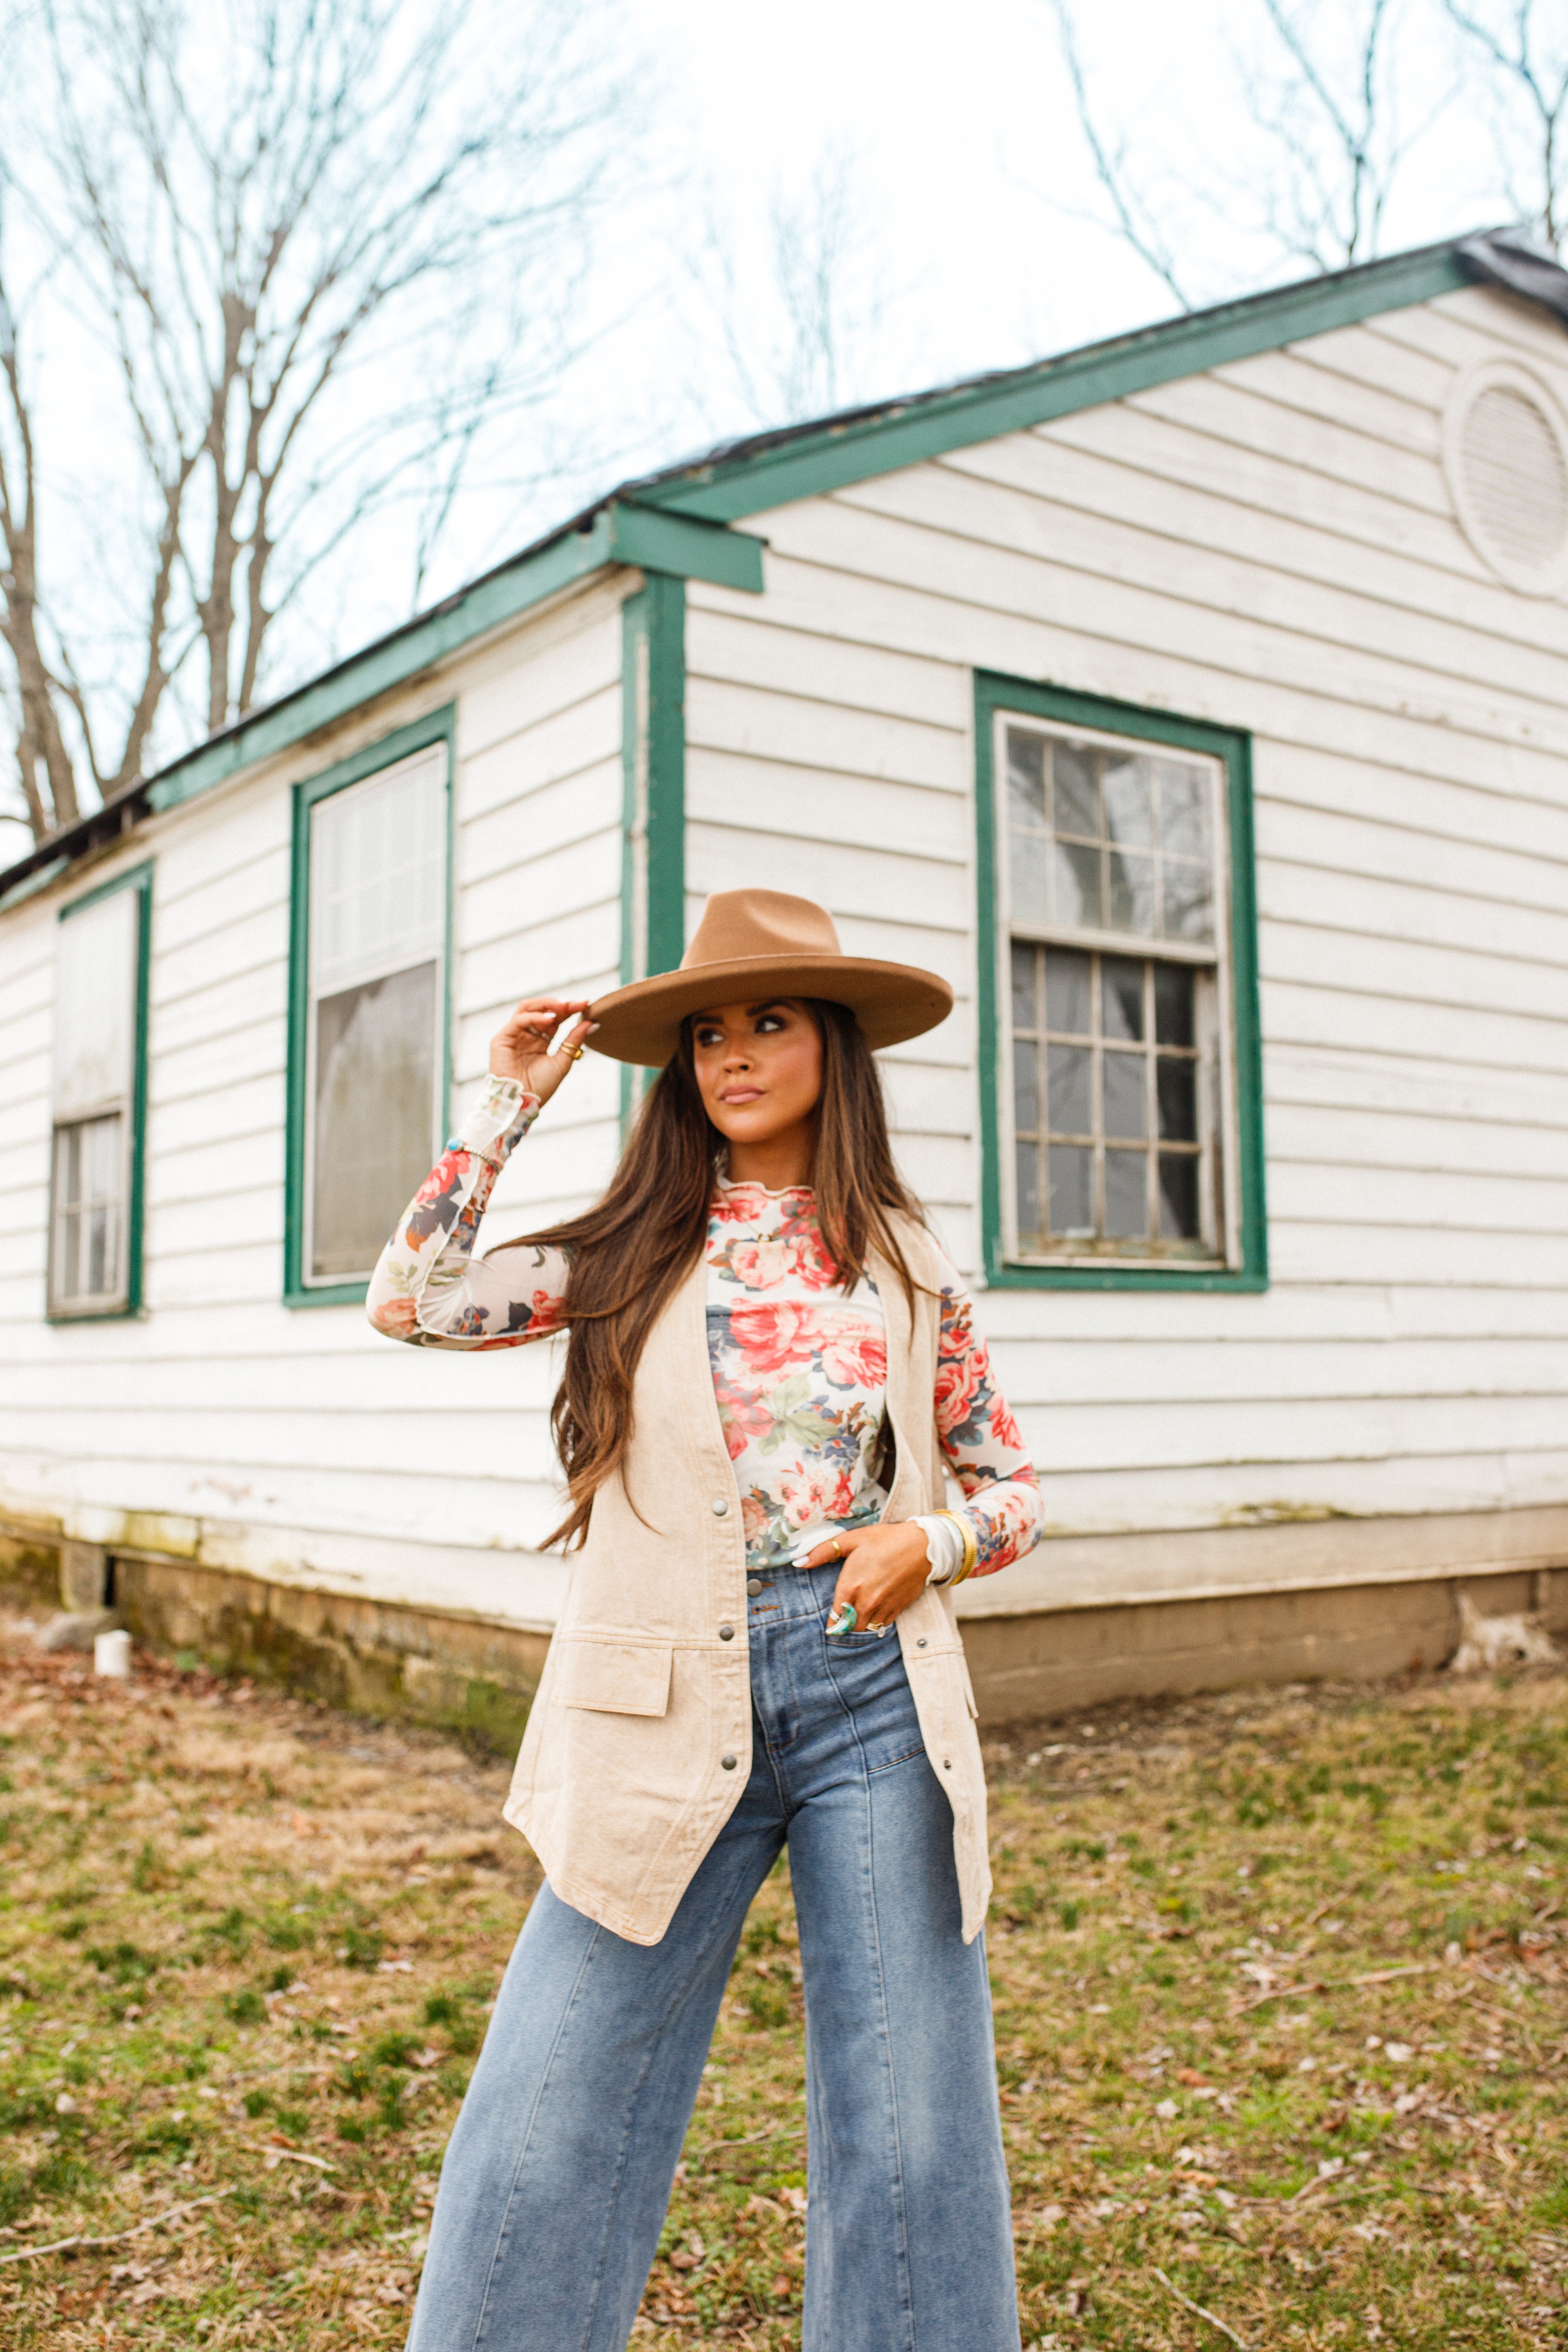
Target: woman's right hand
[(521, 1049)]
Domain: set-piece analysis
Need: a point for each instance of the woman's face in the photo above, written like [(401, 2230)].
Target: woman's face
[(759, 1067)]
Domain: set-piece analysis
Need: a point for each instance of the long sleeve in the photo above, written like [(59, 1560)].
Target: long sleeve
[(428, 1287), (981, 1442)]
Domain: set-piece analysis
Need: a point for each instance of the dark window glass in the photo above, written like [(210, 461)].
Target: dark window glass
[(1121, 997), (1026, 1087), (1174, 1004), (1024, 960), (1068, 996), (1177, 1085), (1179, 1196), (1026, 779)]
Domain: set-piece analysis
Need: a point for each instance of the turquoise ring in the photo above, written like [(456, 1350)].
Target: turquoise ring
[(844, 1622)]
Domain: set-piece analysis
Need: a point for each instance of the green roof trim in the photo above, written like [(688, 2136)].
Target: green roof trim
[(620, 532), (773, 471)]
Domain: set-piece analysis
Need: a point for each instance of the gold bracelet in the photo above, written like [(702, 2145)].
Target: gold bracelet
[(971, 1548)]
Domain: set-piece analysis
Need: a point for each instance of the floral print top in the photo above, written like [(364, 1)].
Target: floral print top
[(799, 1367)]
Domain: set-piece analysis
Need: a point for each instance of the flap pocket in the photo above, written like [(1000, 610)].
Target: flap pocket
[(626, 1678)]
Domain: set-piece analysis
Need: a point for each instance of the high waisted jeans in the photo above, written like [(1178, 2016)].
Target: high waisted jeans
[(555, 2182)]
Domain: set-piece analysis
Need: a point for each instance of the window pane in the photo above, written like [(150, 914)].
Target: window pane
[(95, 1005), (1029, 1191), (1183, 810), (1126, 1195), (1121, 998), (1026, 779), (1176, 1084), (1126, 1112), (1072, 1191), (1026, 1087), (89, 1178), (1024, 964), (1128, 785), (1068, 1080), (1179, 1196), (375, 1110), (1173, 1003), (1077, 885), (1077, 795), (1028, 866), (378, 872), (1132, 893), (1188, 912), (1066, 992)]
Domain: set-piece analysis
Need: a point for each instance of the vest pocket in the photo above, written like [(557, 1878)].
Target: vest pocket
[(624, 1677)]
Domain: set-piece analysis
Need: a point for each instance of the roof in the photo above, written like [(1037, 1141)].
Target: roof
[(679, 520)]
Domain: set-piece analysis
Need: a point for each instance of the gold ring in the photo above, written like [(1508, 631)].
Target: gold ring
[(837, 1549), (575, 1052)]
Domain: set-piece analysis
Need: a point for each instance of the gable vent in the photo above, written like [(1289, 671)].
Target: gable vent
[(1508, 471)]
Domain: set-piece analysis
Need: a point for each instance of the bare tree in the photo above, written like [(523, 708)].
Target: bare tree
[(1318, 88), (1331, 117), (797, 313), (327, 242), (1529, 64)]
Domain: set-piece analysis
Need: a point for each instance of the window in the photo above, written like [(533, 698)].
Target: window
[(100, 1009), (369, 1063), (1118, 1043)]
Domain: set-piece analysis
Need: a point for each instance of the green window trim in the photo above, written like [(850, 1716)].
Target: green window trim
[(436, 727), (995, 694), (653, 772), (140, 880)]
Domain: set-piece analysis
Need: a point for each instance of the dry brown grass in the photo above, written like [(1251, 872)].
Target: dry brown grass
[(1280, 2010)]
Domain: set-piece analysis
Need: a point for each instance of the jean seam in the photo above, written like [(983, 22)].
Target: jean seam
[(902, 2249), (483, 2313)]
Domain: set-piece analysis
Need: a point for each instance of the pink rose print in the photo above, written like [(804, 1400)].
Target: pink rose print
[(773, 1338), (399, 1317), (855, 1357), (759, 1264), (546, 1315), (816, 1491), (753, 1517), (957, 1379), (448, 1173), (1005, 1429)]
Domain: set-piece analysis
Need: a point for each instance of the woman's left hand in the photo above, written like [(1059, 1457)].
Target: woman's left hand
[(885, 1567)]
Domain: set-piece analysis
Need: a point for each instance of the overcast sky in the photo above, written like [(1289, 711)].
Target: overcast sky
[(977, 234)]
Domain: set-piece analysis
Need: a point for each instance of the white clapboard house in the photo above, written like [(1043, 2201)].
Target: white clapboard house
[(1197, 702)]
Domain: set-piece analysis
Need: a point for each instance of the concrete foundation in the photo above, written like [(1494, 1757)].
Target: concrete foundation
[(473, 1675)]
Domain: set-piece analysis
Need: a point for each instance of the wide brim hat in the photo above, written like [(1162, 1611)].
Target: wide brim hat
[(756, 944)]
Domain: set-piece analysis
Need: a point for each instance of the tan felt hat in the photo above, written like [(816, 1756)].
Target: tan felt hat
[(753, 944)]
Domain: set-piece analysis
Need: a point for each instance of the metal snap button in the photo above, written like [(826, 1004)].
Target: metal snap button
[(947, 1763), (726, 1633), (720, 1507), (728, 1762), (754, 1585), (922, 1642)]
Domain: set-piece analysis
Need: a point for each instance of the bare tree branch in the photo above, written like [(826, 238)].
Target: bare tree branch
[(1516, 61), (1134, 217)]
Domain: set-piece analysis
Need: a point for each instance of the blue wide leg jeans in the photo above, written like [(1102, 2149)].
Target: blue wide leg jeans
[(559, 2171)]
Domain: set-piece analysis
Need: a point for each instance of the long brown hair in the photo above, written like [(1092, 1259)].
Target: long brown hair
[(629, 1252)]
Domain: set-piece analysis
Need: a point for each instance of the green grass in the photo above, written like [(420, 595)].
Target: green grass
[(1280, 1993)]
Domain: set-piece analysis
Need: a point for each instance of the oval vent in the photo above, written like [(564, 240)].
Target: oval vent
[(1509, 467)]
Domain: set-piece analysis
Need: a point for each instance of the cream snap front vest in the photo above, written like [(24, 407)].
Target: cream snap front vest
[(639, 1743)]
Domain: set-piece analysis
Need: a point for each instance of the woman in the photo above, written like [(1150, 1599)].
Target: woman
[(768, 1362)]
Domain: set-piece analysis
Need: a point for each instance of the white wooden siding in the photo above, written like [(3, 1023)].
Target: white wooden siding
[(1271, 546), (299, 1442)]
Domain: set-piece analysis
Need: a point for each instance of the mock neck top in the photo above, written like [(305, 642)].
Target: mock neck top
[(799, 1366)]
